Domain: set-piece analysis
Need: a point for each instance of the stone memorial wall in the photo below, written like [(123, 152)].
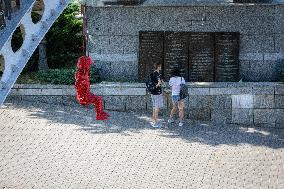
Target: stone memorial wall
[(114, 36)]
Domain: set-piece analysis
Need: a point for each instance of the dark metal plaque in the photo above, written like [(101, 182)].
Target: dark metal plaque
[(227, 57), (151, 50), (201, 57), (176, 53)]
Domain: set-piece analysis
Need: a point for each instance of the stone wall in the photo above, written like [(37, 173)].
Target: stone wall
[(259, 104), (114, 33)]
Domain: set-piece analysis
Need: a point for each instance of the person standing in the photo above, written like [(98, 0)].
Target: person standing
[(175, 82), (156, 93)]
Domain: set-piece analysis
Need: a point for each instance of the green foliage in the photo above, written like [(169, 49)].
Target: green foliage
[(17, 39), (64, 76), (36, 17), (64, 39)]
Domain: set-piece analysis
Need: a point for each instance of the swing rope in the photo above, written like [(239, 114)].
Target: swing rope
[(85, 33)]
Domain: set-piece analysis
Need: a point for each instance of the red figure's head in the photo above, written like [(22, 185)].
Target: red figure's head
[(84, 63)]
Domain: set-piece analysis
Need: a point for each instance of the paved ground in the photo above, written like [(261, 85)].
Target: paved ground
[(46, 146)]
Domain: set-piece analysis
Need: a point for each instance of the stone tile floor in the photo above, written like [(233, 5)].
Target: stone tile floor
[(44, 146)]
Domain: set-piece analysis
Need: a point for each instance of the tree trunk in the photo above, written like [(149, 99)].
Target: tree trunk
[(42, 61)]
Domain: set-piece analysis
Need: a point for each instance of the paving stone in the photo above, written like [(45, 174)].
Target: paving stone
[(45, 145)]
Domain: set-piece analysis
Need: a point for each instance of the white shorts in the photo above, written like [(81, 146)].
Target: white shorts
[(157, 101)]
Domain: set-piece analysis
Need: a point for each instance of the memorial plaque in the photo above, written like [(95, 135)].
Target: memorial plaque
[(227, 57), (176, 53), (201, 57), (151, 50)]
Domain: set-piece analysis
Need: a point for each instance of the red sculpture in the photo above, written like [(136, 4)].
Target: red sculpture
[(82, 84)]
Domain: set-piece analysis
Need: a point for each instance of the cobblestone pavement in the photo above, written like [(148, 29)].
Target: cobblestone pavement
[(45, 146)]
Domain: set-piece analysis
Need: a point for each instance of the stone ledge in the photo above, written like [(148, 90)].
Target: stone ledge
[(138, 89)]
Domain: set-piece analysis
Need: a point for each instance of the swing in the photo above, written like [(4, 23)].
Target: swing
[(82, 76)]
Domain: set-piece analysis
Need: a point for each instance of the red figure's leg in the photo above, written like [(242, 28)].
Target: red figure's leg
[(100, 113)]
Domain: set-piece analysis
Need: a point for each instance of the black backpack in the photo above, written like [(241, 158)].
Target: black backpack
[(183, 91)]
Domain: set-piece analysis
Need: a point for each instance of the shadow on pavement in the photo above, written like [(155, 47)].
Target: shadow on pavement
[(127, 123)]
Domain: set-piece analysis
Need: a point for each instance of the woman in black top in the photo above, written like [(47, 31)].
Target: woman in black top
[(156, 94)]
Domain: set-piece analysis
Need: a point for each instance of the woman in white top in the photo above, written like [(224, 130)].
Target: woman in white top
[(175, 81)]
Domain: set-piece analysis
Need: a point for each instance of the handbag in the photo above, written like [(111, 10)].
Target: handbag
[(183, 90)]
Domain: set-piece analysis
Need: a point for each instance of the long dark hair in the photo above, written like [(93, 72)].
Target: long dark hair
[(176, 73)]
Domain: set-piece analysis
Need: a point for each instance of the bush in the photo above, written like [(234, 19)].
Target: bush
[(64, 39), (64, 76)]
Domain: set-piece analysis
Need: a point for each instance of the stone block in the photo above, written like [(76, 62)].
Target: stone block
[(256, 43), (262, 116), (118, 44), (136, 103), (279, 89), (263, 90), (244, 70), (262, 71), (230, 90), (263, 101), (221, 102), (242, 116), (200, 114), (117, 103), (118, 70), (244, 56), (221, 115), (242, 101), (279, 42), (199, 102), (198, 91), (279, 117), (279, 101)]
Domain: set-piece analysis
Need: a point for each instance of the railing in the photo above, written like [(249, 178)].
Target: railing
[(7, 7)]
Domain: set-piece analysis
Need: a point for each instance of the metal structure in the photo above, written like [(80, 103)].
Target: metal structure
[(33, 34), (201, 56)]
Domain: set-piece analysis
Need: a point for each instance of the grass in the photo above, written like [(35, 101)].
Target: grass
[(29, 78)]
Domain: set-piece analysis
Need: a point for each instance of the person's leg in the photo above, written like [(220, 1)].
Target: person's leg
[(181, 110), (173, 111)]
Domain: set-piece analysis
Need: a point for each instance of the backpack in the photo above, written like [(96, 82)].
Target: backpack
[(150, 85), (183, 91)]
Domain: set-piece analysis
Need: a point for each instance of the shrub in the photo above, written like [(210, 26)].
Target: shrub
[(64, 76), (64, 39)]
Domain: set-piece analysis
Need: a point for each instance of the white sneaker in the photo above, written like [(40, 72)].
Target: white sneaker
[(180, 124), (171, 120), (155, 125)]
